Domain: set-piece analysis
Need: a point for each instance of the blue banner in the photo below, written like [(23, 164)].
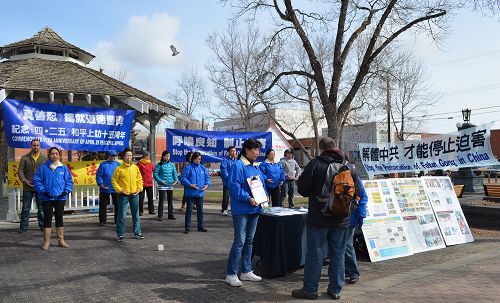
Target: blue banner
[(212, 145), (66, 127)]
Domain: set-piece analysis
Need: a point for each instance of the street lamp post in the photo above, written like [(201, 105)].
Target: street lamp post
[(465, 175)]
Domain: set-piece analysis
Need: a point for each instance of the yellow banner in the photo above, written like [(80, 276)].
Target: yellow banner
[(83, 173)]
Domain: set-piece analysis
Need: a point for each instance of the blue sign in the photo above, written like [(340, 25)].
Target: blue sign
[(66, 127), (212, 145)]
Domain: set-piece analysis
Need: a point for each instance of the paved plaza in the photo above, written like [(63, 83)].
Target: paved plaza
[(96, 268)]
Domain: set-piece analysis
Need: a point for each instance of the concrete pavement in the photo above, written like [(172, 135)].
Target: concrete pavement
[(96, 268)]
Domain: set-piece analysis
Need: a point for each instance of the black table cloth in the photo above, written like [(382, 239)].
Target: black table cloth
[(280, 242)]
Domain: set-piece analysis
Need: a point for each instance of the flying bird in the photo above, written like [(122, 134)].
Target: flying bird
[(174, 50)]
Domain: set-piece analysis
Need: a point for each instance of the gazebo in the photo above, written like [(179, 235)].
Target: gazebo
[(47, 69)]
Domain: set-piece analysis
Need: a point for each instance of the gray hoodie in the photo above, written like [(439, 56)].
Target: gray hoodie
[(291, 168)]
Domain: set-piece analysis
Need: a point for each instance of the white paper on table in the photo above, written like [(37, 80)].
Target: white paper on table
[(257, 189)]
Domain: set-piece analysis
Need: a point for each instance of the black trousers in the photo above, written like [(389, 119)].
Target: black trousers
[(170, 206), (103, 205), (225, 198), (151, 207), (55, 208), (274, 193)]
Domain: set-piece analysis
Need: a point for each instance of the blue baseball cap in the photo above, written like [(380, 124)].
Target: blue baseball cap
[(112, 153)]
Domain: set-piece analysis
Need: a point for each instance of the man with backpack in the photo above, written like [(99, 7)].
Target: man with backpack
[(334, 190)]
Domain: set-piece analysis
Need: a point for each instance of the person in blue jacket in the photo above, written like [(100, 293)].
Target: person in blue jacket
[(245, 211), (225, 168), (53, 182), (165, 175), (275, 176), (195, 179), (355, 222), (103, 180)]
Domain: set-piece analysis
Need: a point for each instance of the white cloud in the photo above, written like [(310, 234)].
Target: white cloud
[(144, 43)]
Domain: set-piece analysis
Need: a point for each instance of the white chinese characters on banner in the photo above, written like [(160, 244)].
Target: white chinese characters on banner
[(466, 148)]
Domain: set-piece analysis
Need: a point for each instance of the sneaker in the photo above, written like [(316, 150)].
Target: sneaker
[(101, 223), (139, 237), (250, 276), (160, 219), (187, 231), (233, 280), (172, 218), (352, 280), (224, 213), (202, 229), (22, 231), (301, 294), (334, 296), (120, 239)]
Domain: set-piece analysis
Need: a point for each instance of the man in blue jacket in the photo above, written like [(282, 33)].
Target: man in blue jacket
[(103, 180), (225, 168)]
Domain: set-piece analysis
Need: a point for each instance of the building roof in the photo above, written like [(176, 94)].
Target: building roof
[(45, 37), (66, 77)]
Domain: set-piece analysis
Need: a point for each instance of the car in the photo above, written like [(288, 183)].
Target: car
[(214, 172)]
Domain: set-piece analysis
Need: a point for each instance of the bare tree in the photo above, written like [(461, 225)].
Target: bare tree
[(190, 93), (236, 72), (385, 21)]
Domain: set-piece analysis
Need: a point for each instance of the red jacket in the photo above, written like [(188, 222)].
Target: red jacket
[(146, 168)]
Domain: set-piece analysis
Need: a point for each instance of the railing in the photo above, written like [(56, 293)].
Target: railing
[(83, 197)]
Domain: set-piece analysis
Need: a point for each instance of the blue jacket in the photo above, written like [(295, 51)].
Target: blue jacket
[(225, 168), (165, 174), (239, 191), (104, 174), (56, 183), (360, 213), (195, 174), (272, 171)]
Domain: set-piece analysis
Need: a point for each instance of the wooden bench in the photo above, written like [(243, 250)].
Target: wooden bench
[(492, 192), (459, 190)]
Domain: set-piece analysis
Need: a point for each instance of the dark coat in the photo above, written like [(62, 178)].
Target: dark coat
[(310, 184)]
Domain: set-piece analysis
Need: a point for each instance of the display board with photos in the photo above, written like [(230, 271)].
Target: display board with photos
[(420, 222), (384, 229), (449, 214)]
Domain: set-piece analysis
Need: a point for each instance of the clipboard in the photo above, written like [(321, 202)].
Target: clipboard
[(257, 189)]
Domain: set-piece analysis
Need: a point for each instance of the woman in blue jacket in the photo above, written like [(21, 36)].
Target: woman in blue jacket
[(275, 176), (195, 179), (245, 211), (165, 175), (53, 183)]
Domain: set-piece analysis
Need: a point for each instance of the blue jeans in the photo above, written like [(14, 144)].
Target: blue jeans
[(123, 202), (351, 267), (189, 211), (25, 213), (244, 230), (335, 238), (288, 187)]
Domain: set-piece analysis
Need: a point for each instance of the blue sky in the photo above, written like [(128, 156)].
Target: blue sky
[(134, 36)]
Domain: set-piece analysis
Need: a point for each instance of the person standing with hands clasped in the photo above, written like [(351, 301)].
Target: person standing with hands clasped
[(292, 172), (53, 182), (195, 179), (103, 180), (245, 212), (28, 165), (275, 176), (146, 168), (225, 168), (166, 176), (127, 182), (326, 233)]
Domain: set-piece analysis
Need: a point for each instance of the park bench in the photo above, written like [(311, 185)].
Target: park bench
[(492, 192), (459, 190)]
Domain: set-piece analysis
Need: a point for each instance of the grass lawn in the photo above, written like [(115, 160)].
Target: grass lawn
[(216, 197)]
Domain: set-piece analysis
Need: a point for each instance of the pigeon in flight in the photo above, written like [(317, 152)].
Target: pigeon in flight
[(174, 50)]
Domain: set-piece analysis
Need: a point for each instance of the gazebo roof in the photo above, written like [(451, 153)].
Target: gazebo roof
[(45, 37), (66, 77)]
